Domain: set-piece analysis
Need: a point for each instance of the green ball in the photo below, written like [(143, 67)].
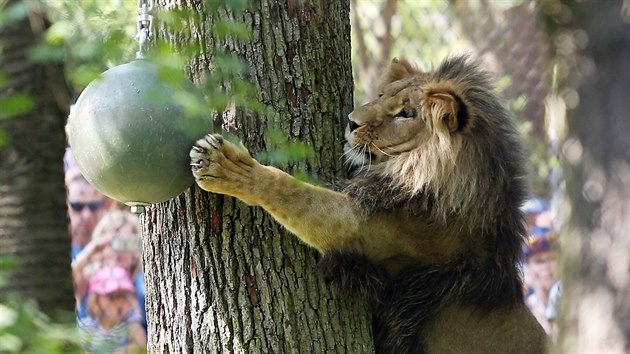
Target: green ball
[(130, 133)]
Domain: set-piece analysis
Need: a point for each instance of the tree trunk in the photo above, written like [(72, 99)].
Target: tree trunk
[(595, 309), (223, 276), (33, 219)]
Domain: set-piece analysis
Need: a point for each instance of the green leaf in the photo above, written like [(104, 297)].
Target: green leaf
[(84, 74), (193, 105), (219, 100), (228, 28), (4, 80), (283, 151), (15, 105), (12, 14), (59, 33), (48, 53), (179, 19), (227, 64), (4, 140), (234, 5), (10, 343)]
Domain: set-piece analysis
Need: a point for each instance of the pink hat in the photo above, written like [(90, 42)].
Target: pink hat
[(109, 280)]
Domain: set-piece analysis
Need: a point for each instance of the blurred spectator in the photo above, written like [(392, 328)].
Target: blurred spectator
[(542, 271), (552, 308), (113, 321), (68, 160), (86, 205), (115, 242), (537, 213)]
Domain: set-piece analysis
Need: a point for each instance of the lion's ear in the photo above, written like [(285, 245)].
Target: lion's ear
[(445, 107), (396, 70)]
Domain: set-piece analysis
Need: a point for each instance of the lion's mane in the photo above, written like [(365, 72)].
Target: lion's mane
[(472, 181)]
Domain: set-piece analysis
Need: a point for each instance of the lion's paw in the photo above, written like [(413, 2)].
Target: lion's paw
[(220, 166), (204, 154)]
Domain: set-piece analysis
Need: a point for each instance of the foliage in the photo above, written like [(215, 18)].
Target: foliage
[(282, 151), (543, 162), (226, 84), (25, 329), (88, 37), (15, 105), (11, 13), (379, 39), (93, 35), (11, 104)]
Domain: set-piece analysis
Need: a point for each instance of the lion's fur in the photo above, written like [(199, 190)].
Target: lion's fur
[(481, 166), (470, 182), (427, 227)]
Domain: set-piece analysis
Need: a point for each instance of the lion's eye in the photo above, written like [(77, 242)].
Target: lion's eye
[(407, 113)]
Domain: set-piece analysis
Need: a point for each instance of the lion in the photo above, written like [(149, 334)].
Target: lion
[(427, 227)]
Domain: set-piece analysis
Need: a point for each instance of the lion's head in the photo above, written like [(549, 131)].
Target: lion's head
[(442, 133)]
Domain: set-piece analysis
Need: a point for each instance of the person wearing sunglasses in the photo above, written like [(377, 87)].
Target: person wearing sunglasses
[(86, 205)]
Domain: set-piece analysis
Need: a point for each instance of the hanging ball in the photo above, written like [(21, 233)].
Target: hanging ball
[(130, 135)]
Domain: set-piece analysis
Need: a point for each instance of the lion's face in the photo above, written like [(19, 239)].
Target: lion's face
[(387, 126), (408, 113)]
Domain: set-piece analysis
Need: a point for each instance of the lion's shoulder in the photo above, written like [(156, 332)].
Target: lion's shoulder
[(378, 194)]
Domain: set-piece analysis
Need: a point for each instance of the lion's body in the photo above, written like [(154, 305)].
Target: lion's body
[(428, 227)]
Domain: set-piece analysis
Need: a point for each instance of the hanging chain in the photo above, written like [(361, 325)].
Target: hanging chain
[(144, 25)]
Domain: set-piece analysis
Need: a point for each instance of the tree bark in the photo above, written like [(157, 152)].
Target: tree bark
[(33, 219), (596, 248), (223, 276)]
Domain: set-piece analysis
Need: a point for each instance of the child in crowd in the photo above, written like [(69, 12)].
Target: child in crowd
[(115, 242), (542, 268), (113, 321)]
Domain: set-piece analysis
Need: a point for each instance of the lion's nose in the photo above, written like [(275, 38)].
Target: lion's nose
[(353, 125)]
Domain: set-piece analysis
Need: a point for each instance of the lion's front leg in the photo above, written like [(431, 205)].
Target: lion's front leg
[(324, 219), (222, 167)]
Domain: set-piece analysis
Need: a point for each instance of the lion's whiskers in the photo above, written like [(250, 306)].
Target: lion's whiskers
[(382, 152), (359, 152), (346, 153), (366, 151)]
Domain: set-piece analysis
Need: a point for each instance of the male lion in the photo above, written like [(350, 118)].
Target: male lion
[(428, 227)]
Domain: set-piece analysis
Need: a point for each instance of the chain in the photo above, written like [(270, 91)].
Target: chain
[(144, 25)]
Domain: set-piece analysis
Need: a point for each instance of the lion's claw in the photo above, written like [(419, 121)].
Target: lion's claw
[(220, 166), (198, 148), (215, 140), (201, 154)]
